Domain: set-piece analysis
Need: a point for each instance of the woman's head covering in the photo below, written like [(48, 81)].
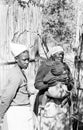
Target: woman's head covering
[(55, 50)]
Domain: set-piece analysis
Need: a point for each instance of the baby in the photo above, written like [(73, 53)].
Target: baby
[(56, 81)]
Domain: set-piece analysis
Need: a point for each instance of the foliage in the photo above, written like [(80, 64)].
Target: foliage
[(59, 21)]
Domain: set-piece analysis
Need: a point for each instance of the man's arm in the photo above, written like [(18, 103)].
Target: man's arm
[(9, 93)]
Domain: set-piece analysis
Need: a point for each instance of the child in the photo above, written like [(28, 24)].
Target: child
[(56, 81)]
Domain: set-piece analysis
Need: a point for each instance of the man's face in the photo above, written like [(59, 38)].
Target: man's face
[(23, 60)]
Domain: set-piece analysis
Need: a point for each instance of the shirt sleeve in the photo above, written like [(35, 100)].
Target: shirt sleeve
[(39, 84), (70, 81), (9, 93)]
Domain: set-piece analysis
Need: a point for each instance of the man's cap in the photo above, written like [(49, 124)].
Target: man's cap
[(17, 48), (55, 50)]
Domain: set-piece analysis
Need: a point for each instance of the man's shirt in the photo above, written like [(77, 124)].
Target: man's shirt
[(16, 91)]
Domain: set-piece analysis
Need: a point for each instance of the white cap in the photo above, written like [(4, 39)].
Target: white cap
[(17, 48), (55, 50)]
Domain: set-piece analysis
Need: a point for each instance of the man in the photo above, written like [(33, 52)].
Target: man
[(15, 102), (55, 65)]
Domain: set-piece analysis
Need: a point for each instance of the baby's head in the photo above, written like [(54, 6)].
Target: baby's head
[(58, 70)]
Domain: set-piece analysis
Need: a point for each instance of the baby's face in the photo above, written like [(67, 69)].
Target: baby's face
[(65, 72)]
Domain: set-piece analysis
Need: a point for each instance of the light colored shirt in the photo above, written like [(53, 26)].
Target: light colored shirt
[(16, 90)]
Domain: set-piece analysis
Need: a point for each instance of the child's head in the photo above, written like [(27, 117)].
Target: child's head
[(58, 69)]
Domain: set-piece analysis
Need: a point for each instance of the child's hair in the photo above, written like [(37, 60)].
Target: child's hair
[(58, 69)]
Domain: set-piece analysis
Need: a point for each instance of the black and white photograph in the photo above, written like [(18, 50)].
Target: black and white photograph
[(41, 64)]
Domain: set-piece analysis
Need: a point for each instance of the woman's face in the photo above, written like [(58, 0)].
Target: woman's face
[(59, 55), (23, 60)]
